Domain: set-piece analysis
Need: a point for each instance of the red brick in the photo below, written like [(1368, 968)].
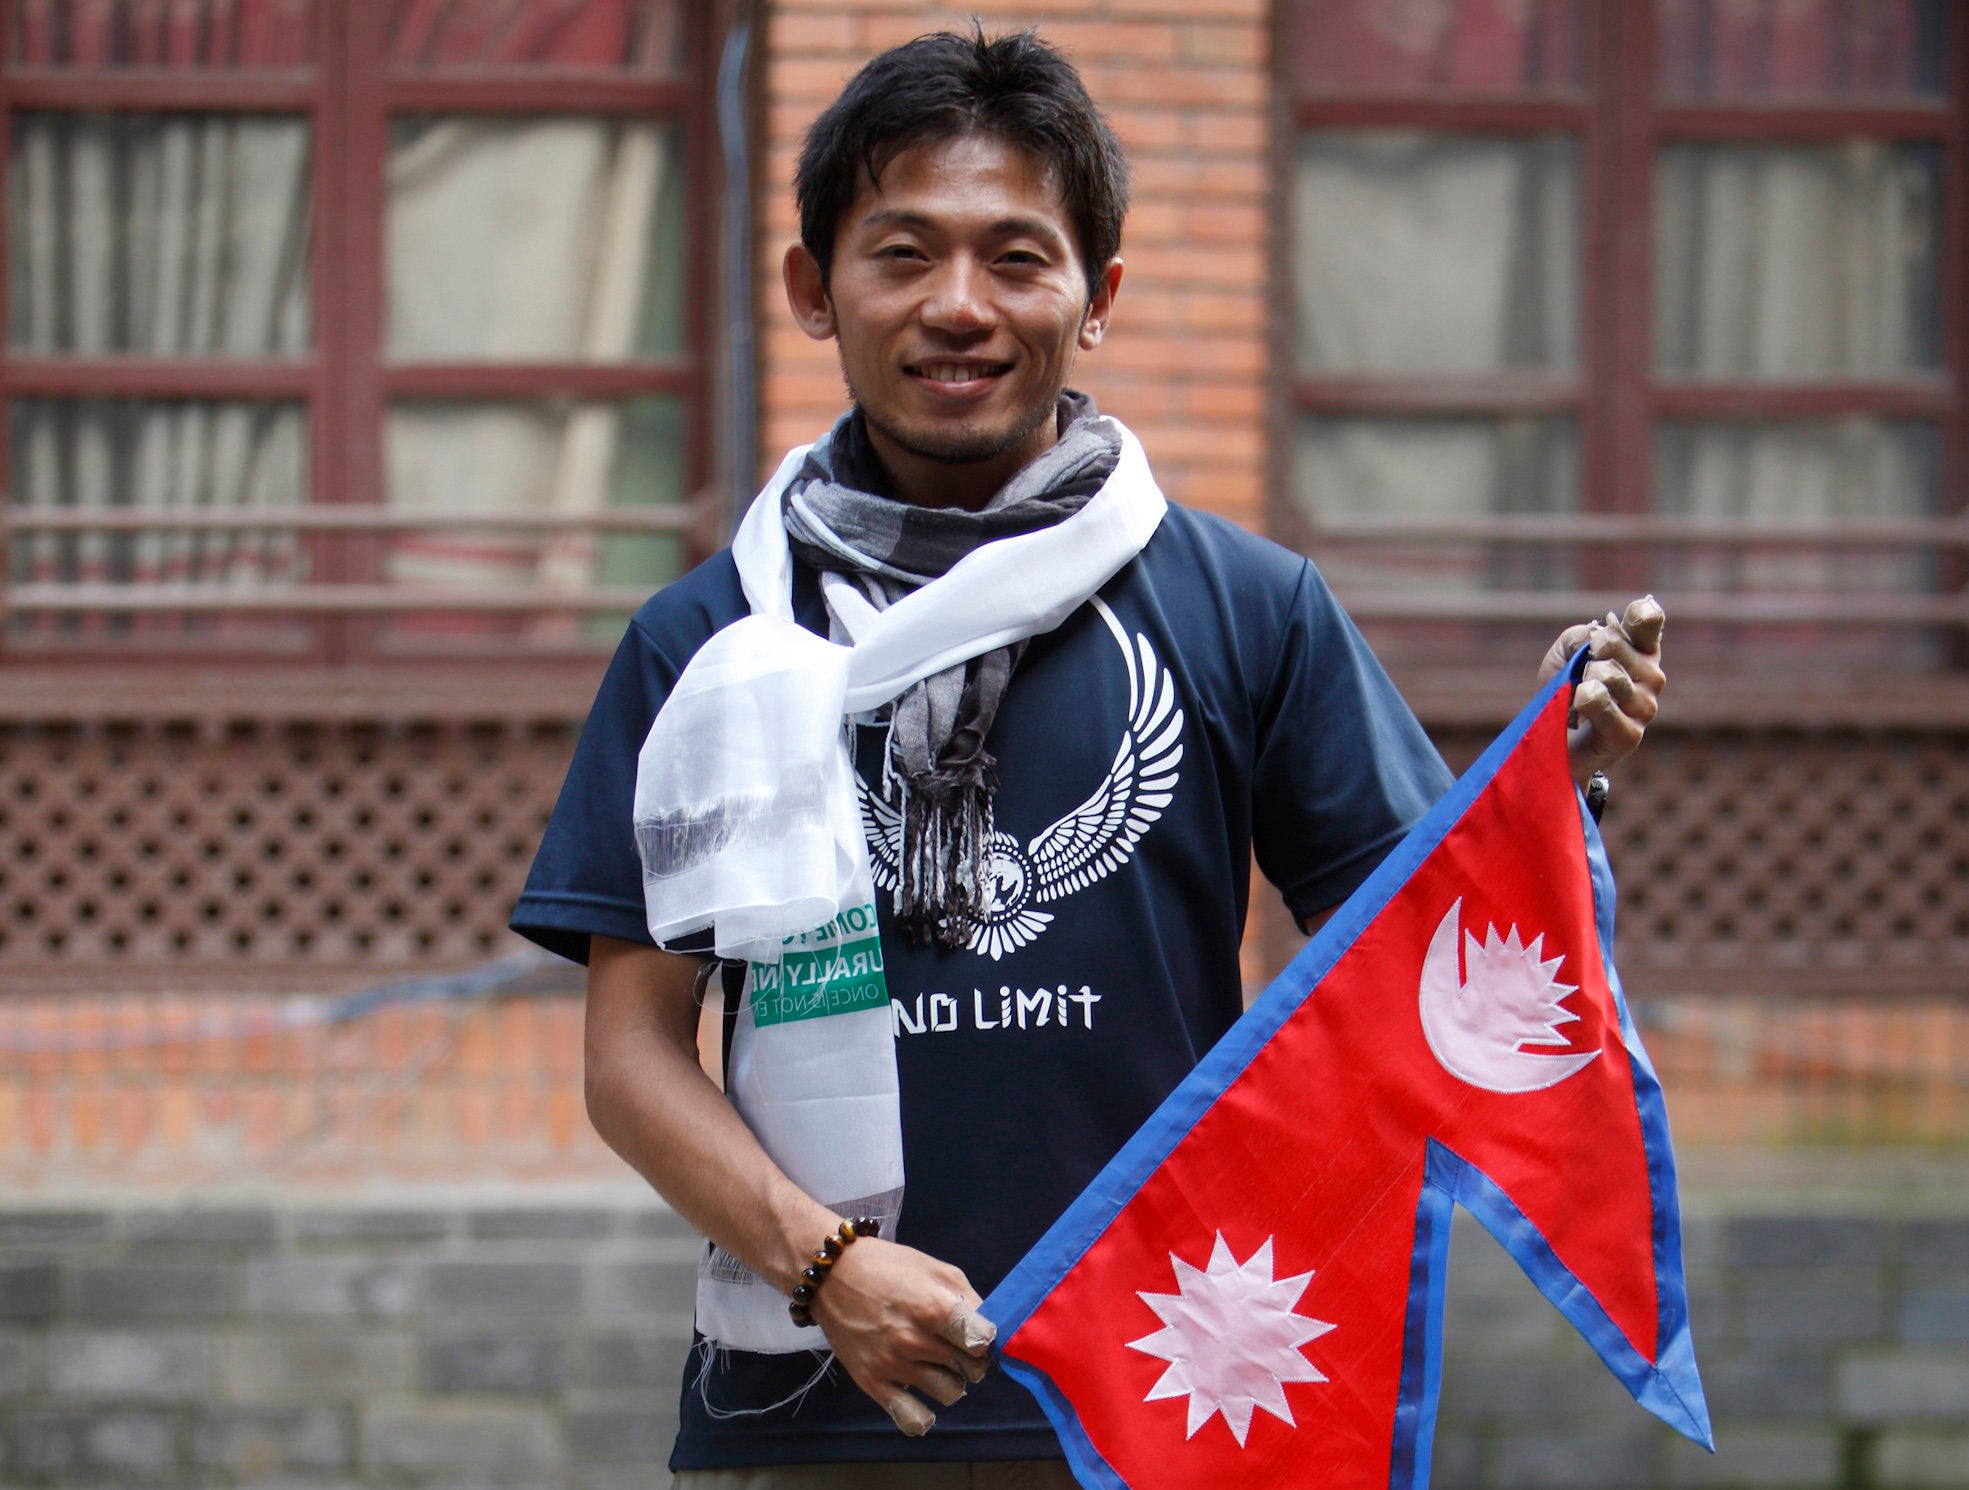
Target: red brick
[(85, 1028), (131, 1117), (1228, 131), (177, 1116), (1226, 401), (1086, 41), (1183, 177), (1155, 221), (1249, 44), (1217, 311), (816, 79), (1211, 444), (85, 1117), (1175, 85), (1230, 222), (790, 31), (1137, 405), (44, 1113), (1142, 128), (1250, 11), (1199, 265)]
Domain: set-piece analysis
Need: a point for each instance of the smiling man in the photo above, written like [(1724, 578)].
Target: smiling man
[(1060, 810)]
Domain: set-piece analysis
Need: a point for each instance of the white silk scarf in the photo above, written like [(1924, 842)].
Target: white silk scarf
[(747, 824)]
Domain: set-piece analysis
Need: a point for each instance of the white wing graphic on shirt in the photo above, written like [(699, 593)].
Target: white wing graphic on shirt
[(1086, 845)]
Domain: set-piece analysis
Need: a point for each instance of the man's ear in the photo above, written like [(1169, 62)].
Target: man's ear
[(1100, 309), (806, 293)]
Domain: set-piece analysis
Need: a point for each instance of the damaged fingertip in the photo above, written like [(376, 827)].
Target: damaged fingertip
[(969, 1329), (910, 1415)]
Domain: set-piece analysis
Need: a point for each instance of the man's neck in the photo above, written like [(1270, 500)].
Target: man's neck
[(924, 481)]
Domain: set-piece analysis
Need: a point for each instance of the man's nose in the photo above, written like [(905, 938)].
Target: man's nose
[(960, 298)]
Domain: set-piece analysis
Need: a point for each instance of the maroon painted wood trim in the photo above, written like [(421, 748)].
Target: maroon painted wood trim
[(1440, 393), (1475, 114), (320, 600), (1694, 399), (1487, 696), (157, 92), (1625, 475), (1563, 607), (328, 440), (342, 518), (1558, 532), (1953, 572), (535, 92), (358, 559), (542, 686), (1599, 319), (162, 377), (702, 297), (537, 379), (6, 282), (1896, 120)]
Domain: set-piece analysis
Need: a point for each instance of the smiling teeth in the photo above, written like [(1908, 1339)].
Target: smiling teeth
[(955, 374)]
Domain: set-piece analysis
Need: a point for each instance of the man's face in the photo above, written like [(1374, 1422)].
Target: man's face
[(958, 300)]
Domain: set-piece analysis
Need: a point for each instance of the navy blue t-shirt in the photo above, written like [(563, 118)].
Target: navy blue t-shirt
[(1212, 700)]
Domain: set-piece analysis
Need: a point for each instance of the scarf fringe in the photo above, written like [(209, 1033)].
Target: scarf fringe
[(946, 824)]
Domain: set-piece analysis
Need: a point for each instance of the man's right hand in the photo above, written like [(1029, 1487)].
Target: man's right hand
[(898, 1318)]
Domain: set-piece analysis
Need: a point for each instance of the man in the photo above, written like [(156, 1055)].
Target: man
[(1062, 827)]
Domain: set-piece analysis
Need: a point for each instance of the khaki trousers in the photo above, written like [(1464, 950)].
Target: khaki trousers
[(1008, 1474)]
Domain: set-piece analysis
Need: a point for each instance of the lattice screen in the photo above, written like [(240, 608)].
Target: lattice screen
[(1747, 860), (1790, 861), (147, 848)]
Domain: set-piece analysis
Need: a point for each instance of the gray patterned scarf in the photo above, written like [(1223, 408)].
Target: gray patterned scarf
[(838, 520)]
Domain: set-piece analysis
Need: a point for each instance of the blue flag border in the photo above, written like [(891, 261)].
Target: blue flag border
[(1668, 1387)]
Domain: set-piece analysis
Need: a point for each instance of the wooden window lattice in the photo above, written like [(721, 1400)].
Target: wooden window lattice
[(1790, 862), (1748, 860), (136, 849)]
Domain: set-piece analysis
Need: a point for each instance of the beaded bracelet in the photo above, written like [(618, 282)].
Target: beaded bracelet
[(815, 1273)]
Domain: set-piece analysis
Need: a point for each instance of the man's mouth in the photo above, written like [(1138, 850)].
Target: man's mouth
[(959, 372)]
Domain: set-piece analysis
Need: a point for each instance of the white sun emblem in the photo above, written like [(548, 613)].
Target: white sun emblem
[(1231, 1338)]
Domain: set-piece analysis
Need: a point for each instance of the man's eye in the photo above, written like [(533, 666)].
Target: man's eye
[(899, 251), (1021, 258)]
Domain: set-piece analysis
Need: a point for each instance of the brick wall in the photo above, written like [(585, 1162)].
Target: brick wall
[(1186, 85), (420, 1344), (165, 1095)]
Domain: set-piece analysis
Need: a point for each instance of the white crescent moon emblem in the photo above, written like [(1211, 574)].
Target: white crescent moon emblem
[(1512, 999)]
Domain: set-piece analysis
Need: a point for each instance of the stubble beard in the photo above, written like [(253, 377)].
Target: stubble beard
[(961, 447)]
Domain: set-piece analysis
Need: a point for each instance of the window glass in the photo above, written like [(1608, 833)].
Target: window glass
[(164, 456), (202, 34), (167, 235), (554, 456), (535, 240), (1801, 51), (1801, 473), (1797, 261), (1417, 252), (590, 35), (1436, 46), (1397, 468)]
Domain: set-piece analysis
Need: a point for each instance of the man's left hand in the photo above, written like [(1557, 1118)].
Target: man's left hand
[(1618, 696)]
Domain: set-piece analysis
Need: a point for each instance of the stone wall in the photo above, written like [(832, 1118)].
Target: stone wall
[(319, 1347)]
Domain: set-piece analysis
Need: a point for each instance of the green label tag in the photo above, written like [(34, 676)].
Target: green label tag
[(836, 969)]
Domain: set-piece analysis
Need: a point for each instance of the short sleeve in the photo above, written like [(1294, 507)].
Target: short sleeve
[(1343, 769), (586, 878)]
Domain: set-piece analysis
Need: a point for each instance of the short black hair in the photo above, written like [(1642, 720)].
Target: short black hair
[(940, 87)]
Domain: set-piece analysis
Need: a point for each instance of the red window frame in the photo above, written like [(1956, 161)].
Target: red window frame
[(350, 95), (1616, 397)]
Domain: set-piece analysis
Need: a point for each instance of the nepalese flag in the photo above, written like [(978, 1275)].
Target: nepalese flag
[(1251, 1293)]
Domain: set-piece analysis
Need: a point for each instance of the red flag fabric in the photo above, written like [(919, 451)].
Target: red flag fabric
[(1251, 1292)]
